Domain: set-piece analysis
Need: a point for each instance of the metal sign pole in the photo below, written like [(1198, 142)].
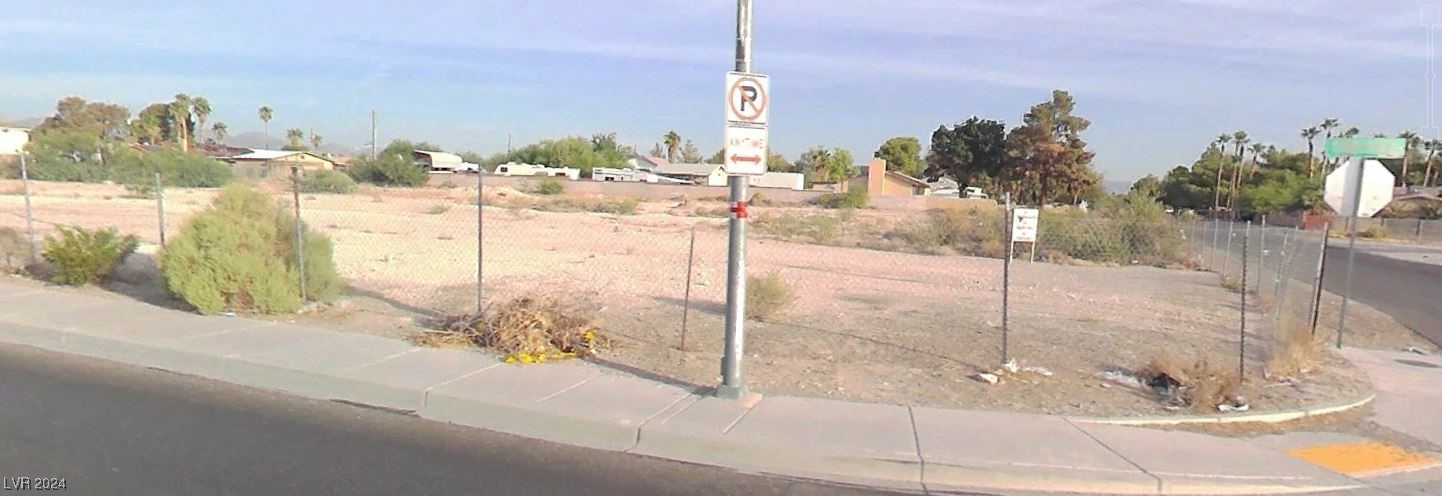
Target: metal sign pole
[(1010, 224), (29, 216), (1317, 280), (1262, 258), (1351, 249), (733, 384)]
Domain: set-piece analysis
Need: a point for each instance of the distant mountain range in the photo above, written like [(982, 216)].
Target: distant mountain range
[(25, 123), (254, 139), (1115, 186)]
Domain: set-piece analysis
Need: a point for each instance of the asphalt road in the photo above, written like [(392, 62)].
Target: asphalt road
[(1410, 292), (108, 428)]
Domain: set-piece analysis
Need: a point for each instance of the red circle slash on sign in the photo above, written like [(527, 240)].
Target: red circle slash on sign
[(739, 209), (758, 105)]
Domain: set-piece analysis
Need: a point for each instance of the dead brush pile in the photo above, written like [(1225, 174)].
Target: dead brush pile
[(1200, 386), (529, 329)]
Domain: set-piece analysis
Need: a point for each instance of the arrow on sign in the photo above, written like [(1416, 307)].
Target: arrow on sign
[(743, 158)]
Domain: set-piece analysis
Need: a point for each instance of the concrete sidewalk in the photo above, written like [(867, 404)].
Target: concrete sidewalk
[(912, 448)]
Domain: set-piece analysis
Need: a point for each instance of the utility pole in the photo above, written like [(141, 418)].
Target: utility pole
[(508, 143), (373, 135), (733, 385)]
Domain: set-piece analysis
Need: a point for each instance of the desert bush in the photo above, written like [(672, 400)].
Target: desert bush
[(719, 212), (14, 250), (1374, 232), (1293, 349), (327, 182), (548, 186), (963, 232), (239, 254), (1200, 385), (815, 228), (386, 170), (529, 329), (136, 171), (1232, 283), (618, 206), (83, 256), (438, 209), (449, 184), (767, 296), (853, 198), (761, 200)]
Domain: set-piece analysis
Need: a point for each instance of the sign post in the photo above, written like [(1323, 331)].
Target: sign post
[(1359, 188), (1023, 227), (744, 153)]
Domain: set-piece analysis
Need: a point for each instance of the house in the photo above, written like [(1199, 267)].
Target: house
[(13, 140), (268, 163), (779, 180), (881, 182), (698, 174), (645, 162)]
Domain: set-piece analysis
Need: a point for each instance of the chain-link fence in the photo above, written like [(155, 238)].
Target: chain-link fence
[(1421, 231), (872, 304)]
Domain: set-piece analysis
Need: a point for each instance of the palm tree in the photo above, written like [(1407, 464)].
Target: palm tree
[(219, 131), (180, 113), (1257, 149), (1310, 134), (1432, 147), (673, 145), (266, 113), (202, 112), (1222, 140), (315, 140), (1410, 140), (1351, 132), (1239, 139), (1328, 125), (294, 137)]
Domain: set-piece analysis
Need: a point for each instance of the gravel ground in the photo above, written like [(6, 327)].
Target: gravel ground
[(866, 325)]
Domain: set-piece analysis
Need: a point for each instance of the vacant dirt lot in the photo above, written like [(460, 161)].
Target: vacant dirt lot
[(866, 325)]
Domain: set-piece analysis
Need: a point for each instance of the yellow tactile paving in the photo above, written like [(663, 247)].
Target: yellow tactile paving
[(1363, 458)]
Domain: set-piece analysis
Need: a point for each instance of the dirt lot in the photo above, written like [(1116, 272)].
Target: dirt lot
[(867, 325)]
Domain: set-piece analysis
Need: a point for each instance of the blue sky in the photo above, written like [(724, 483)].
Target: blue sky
[(1158, 78)]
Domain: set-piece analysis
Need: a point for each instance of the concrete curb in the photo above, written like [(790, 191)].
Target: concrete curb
[(1259, 418), (449, 404)]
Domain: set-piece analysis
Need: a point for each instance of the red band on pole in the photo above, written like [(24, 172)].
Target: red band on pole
[(739, 209)]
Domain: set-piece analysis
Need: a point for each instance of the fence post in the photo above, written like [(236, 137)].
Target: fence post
[(1006, 277), (1262, 259), (1216, 230), (480, 241), (299, 231), (1242, 350), (1419, 230), (1231, 233), (1282, 264), (160, 207), (686, 303), (1317, 280), (29, 215)]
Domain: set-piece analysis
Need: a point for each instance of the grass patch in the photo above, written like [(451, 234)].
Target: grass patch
[(1374, 232), (14, 250), (814, 228), (548, 187), (716, 212), (529, 329), (767, 296), (438, 209), (449, 184), (855, 198), (1232, 283), (618, 206)]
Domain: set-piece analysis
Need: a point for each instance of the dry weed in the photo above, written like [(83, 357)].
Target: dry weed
[(528, 329), (767, 296), (1293, 350), (1200, 385)]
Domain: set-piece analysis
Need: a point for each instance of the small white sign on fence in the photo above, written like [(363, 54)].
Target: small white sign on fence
[(1023, 225)]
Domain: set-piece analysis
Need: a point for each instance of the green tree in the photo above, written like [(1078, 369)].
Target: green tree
[(219, 131), (775, 162), (1221, 142), (720, 158), (1148, 185), (1257, 150), (1240, 140), (969, 153), (266, 113), (202, 113), (294, 140), (672, 141), (315, 140), (902, 154), (690, 154), (1351, 132), (1432, 147), (1047, 155), (74, 114)]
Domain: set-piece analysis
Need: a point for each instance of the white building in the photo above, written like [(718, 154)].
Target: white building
[(13, 140)]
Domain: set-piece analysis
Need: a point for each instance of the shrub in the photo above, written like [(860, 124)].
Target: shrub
[(549, 186), (82, 256), (853, 198), (1376, 232), (449, 184), (529, 329), (387, 170), (438, 209), (964, 232), (1292, 350), (1202, 385), (14, 250), (177, 170), (819, 228), (240, 254), (767, 296), (327, 182), (618, 206)]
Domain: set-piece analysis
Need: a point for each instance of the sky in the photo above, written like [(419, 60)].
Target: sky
[(1159, 79)]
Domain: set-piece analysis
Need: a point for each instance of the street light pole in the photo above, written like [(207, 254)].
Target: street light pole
[(733, 385)]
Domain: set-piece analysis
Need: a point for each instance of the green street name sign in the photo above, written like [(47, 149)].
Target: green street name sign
[(1366, 147)]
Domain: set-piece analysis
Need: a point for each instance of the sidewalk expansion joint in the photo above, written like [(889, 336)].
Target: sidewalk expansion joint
[(567, 388), (738, 420), (690, 397), (255, 324), (1115, 452), (426, 394), (382, 360), (920, 460)]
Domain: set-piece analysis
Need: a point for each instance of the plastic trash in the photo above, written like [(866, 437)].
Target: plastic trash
[(987, 378)]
